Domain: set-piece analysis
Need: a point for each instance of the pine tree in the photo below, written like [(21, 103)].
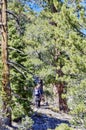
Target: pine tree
[(18, 58), (61, 31)]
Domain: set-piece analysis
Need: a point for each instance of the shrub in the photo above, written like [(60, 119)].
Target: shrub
[(26, 123), (63, 127)]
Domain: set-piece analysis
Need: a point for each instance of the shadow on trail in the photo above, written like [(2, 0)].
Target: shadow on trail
[(44, 122)]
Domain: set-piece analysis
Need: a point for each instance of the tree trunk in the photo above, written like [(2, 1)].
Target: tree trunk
[(6, 90), (59, 88), (61, 102)]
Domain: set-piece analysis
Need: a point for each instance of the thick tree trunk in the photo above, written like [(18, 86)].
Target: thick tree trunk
[(59, 89), (6, 90)]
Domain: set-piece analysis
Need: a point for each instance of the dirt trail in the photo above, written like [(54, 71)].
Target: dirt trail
[(44, 118)]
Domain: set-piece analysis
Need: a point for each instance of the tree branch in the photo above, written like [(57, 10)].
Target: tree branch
[(12, 48), (19, 65), (17, 69), (12, 13), (75, 27), (17, 20)]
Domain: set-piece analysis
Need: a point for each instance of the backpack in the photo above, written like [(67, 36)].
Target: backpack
[(37, 92)]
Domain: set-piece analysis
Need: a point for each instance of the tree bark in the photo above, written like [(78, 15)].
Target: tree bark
[(59, 89), (6, 90)]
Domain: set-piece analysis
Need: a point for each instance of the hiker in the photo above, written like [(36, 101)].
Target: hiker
[(41, 86), (41, 90), (37, 95)]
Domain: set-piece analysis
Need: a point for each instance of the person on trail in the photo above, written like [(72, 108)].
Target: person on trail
[(41, 90), (41, 86), (37, 95)]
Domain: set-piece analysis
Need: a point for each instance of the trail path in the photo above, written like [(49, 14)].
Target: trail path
[(45, 119)]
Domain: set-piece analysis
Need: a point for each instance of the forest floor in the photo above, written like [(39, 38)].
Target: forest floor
[(45, 118)]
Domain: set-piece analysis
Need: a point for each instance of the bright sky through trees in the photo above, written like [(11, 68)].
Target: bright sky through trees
[(35, 7)]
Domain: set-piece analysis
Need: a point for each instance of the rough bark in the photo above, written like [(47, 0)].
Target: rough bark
[(59, 89), (6, 90)]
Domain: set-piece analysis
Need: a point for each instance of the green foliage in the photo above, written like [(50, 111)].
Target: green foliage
[(63, 127), (79, 113), (26, 123), (17, 60), (57, 42), (43, 45), (64, 96), (17, 110)]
